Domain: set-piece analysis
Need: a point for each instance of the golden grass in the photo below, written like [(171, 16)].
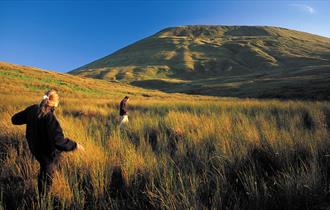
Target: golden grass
[(177, 152)]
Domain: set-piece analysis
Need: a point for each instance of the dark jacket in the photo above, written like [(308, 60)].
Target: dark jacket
[(44, 135), (123, 108)]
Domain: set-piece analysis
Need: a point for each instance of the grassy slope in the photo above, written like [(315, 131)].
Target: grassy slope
[(178, 151), (33, 81), (238, 61), (310, 83)]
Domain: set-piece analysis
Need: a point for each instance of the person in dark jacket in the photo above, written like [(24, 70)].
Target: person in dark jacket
[(45, 137), (123, 112)]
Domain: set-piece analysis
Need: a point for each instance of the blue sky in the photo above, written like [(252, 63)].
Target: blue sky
[(63, 35)]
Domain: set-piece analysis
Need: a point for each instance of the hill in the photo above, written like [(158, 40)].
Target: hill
[(240, 61), (25, 80)]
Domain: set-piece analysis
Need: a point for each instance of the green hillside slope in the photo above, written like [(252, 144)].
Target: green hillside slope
[(24, 80)]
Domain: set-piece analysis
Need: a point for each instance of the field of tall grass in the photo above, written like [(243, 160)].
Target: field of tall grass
[(175, 153)]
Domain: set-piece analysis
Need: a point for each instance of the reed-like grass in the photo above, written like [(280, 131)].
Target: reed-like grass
[(175, 153)]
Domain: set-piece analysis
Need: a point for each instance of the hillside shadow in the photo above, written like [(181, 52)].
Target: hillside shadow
[(157, 84), (285, 88)]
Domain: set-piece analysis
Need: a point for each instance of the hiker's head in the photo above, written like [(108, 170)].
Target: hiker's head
[(51, 98), (126, 98), (49, 101)]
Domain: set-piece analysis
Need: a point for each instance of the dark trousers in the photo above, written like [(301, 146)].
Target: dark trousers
[(46, 174), (45, 178)]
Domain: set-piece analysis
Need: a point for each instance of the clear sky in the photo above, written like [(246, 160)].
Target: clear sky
[(63, 35)]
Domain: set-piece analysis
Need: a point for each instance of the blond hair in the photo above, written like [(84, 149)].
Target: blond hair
[(49, 101)]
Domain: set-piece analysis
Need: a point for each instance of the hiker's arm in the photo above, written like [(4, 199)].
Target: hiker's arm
[(19, 118), (55, 133), (125, 108)]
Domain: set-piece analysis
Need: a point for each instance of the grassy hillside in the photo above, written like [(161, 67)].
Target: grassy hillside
[(178, 151), (240, 61), (28, 80), (308, 83)]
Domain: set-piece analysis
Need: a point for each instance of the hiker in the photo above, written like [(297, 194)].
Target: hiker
[(45, 137), (123, 111)]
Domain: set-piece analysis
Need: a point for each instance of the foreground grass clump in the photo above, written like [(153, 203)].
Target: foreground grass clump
[(187, 153)]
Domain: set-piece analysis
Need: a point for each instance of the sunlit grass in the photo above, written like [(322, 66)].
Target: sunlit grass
[(177, 152), (172, 151)]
